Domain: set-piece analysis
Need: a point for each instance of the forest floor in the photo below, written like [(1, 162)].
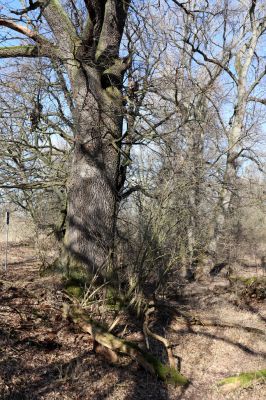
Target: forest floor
[(44, 357)]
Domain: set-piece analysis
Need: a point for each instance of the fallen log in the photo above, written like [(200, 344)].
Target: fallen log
[(99, 334)]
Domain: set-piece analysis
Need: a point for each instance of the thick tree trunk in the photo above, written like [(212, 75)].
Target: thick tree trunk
[(90, 54), (92, 188), (91, 206)]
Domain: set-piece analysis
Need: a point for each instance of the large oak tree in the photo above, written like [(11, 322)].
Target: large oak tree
[(89, 51)]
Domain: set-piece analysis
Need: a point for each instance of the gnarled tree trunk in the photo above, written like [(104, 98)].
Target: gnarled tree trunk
[(93, 183), (90, 54)]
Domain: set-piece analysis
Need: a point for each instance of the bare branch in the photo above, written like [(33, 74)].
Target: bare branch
[(25, 31), (221, 64), (27, 51), (137, 188), (257, 81), (182, 6), (31, 7), (258, 100), (33, 185), (252, 12)]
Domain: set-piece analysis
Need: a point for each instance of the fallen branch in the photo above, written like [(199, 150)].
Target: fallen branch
[(106, 339), (243, 380)]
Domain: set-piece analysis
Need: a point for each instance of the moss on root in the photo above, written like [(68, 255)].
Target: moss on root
[(243, 380), (75, 283), (107, 339), (165, 372), (74, 291)]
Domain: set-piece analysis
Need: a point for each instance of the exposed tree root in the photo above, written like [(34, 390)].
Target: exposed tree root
[(243, 380), (102, 336), (147, 332)]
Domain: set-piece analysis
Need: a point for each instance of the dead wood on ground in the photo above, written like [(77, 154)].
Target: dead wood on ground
[(102, 336)]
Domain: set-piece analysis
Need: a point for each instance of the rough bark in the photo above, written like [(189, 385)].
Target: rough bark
[(92, 188), (92, 196), (95, 72)]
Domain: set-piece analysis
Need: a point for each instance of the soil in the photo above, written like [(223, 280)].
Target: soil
[(43, 356)]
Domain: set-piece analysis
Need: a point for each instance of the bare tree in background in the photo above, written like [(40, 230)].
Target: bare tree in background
[(35, 156)]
